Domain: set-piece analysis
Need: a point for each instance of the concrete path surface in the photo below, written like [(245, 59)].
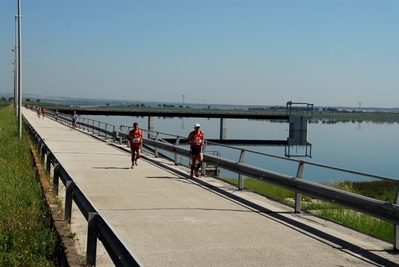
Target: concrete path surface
[(168, 220)]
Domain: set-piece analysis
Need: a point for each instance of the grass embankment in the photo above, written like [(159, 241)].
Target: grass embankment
[(26, 238), (382, 190)]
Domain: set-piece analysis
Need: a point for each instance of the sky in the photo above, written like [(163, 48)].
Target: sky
[(252, 52)]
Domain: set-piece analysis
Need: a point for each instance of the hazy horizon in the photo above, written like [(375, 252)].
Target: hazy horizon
[(121, 101)]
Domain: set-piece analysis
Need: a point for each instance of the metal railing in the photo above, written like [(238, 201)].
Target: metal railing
[(382, 210), (98, 227), (96, 127)]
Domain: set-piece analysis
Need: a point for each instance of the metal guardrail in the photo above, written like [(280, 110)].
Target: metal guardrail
[(383, 210), (98, 227), (96, 127)]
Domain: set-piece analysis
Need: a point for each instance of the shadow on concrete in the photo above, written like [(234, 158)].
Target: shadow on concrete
[(343, 245)]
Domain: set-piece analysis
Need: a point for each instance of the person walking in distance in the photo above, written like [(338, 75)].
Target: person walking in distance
[(56, 114), (135, 137), (74, 119), (43, 111), (196, 140)]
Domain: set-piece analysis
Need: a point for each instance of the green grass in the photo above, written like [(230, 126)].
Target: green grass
[(26, 237), (382, 190)]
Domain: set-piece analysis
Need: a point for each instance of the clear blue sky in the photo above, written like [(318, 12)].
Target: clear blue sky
[(264, 52)]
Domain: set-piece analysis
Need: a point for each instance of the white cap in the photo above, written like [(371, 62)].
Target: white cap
[(197, 125)]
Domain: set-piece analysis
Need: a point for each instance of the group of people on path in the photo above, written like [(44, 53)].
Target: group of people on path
[(195, 139), (74, 117), (41, 111)]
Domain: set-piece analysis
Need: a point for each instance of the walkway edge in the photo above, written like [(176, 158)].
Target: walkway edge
[(69, 256)]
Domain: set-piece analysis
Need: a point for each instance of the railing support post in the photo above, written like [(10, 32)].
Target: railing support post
[(68, 200), (203, 167), (298, 196), (42, 152), (56, 177), (48, 162), (114, 134), (176, 155), (156, 150), (92, 234), (240, 176)]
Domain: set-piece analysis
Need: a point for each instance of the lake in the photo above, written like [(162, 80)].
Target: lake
[(360, 146)]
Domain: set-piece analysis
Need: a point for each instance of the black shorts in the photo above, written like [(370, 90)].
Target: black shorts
[(195, 151)]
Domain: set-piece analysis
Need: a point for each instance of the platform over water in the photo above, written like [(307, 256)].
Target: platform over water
[(168, 220)]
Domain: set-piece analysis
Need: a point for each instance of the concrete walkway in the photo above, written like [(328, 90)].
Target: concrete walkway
[(168, 220)]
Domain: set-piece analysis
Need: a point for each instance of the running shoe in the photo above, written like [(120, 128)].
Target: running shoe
[(132, 167), (196, 174)]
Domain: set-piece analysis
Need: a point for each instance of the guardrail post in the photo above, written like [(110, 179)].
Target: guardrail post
[(56, 177), (156, 149), (48, 162), (38, 143), (396, 226), (114, 134), (92, 233), (176, 155), (240, 176), (119, 134), (42, 152), (203, 167), (298, 196), (68, 200)]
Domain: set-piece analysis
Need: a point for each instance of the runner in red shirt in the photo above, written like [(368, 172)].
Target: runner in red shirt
[(135, 137), (196, 140)]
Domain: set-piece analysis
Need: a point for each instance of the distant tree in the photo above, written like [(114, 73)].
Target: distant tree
[(28, 100), (209, 107), (142, 105), (107, 104), (38, 100), (181, 106), (3, 98), (11, 99), (159, 105)]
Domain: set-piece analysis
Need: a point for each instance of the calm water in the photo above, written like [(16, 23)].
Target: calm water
[(366, 146)]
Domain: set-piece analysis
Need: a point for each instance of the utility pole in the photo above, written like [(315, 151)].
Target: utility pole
[(15, 50), (19, 72)]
